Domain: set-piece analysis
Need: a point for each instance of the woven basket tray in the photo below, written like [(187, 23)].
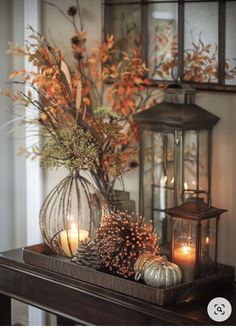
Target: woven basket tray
[(41, 256)]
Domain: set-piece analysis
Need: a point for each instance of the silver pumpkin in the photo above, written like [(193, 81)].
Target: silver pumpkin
[(142, 262), (163, 274)]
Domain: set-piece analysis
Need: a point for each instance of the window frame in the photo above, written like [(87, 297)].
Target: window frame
[(217, 86)]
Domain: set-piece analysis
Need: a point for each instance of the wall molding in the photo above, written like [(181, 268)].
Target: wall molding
[(32, 17)]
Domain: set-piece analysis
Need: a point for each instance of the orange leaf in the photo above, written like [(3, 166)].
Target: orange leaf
[(17, 73), (87, 101), (137, 80)]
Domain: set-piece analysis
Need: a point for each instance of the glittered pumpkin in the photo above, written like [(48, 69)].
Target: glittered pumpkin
[(162, 274), (142, 262)]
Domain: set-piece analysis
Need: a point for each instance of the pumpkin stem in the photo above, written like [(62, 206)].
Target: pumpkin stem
[(137, 276), (164, 260)]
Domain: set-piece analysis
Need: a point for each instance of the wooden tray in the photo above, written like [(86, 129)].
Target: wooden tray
[(41, 256)]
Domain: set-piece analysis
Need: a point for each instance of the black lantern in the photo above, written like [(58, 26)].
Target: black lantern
[(194, 230), (175, 154)]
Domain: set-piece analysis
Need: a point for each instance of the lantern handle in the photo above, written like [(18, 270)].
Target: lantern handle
[(197, 192)]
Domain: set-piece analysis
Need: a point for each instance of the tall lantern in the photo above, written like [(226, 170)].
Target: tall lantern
[(194, 230), (175, 154)]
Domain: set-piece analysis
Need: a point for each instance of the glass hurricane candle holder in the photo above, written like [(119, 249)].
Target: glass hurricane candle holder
[(194, 231), (70, 214)]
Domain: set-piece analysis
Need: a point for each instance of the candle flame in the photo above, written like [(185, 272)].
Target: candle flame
[(163, 180), (172, 180), (185, 185), (186, 249), (73, 227), (207, 240)]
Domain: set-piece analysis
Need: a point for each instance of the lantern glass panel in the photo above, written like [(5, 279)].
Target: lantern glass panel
[(184, 247), (163, 181), (147, 174), (203, 160), (190, 160), (208, 249), (163, 198), (158, 179), (158, 153), (160, 225), (195, 171), (164, 159)]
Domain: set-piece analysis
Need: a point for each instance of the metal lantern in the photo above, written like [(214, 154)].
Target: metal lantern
[(70, 214), (194, 230), (175, 154)]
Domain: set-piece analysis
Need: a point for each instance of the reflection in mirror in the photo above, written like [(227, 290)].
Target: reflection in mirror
[(125, 24), (230, 51), (162, 36), (201, 42)]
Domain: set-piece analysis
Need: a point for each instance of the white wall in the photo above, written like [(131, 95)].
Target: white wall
[(6, 142), (224, 134), (223, 167), (19, 162), (12, 172)]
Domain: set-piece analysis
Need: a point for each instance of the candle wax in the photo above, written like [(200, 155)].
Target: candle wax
[(70, 240), (185, 257)]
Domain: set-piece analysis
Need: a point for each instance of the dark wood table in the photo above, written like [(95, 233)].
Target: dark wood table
[(88, 304)]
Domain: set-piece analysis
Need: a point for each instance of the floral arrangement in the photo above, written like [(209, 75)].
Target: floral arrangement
[(85, 123)]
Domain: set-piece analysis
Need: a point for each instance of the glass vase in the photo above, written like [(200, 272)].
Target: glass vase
[(71, 214)]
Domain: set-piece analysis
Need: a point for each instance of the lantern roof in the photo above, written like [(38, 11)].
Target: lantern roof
[(175, 116), (195, 209)]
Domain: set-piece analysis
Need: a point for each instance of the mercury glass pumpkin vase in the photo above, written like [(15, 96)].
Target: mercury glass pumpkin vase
[(71, 213)]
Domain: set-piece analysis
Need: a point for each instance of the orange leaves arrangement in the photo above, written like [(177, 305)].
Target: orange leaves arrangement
[(129, 75), (68, 99)]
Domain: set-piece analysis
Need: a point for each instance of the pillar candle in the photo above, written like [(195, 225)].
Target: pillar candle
[(70, 239), (185, 258)]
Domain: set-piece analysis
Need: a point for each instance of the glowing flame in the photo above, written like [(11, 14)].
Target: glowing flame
[(73, 227), (163, 180), (186, 250), (207, 240), (185, 185)]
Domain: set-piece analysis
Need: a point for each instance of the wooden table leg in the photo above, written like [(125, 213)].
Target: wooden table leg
[(5, 306)]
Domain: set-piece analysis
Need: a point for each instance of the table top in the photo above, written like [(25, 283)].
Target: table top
[(189, 312)]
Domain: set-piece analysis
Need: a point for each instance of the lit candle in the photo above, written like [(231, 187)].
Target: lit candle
[(185, 257), (206, 248), (162, 205), (185, 186), (71, 238)]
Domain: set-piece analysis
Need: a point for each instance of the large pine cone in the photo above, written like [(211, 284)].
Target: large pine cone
[(87, 254)]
